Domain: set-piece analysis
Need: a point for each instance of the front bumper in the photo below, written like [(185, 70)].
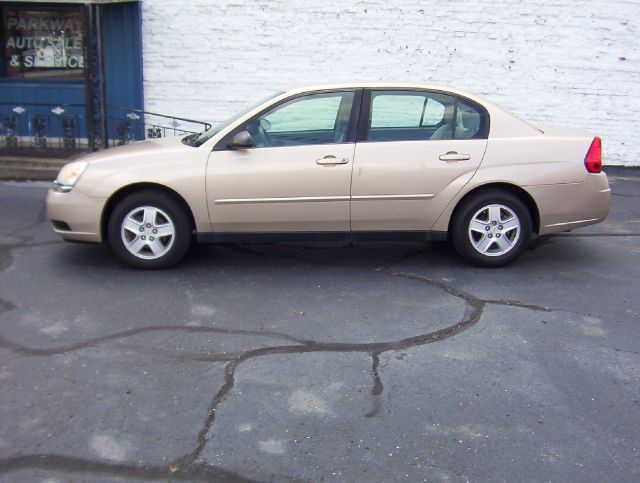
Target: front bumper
[(76, 216), (563, 207)]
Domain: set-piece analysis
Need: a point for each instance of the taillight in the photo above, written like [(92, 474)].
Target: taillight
[(593, 159)]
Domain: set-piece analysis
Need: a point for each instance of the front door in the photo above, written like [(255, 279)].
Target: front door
[(416, 152), (297, 176)]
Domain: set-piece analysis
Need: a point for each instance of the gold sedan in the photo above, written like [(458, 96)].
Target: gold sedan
[(367, 161)]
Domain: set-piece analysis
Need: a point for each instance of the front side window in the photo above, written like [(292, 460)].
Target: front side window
[(201, 138), (305, 120), (433, 113)]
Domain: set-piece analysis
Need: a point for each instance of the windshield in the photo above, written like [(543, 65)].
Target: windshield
[(199, 139)]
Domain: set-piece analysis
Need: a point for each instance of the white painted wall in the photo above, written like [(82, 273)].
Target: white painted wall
[(567, 62)]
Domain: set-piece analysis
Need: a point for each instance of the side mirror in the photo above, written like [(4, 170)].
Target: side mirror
[(241, 140)]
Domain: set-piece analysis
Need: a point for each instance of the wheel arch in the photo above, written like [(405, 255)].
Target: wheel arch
[(516, 190), (125, 191)]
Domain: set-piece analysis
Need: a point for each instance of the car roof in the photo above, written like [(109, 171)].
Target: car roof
[(503, 124), (384, 85)]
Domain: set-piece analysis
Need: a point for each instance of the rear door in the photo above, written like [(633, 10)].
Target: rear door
[(415, 150)]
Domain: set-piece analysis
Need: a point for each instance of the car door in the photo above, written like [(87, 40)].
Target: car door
[(415, 151), (296, 177)]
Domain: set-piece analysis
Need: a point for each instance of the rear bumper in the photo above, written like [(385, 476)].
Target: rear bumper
[(75, 216), (563, 207)]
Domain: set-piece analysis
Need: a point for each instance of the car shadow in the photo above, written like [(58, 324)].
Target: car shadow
[(368, 256)]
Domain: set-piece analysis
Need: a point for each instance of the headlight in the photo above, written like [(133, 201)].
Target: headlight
[(69, 176)]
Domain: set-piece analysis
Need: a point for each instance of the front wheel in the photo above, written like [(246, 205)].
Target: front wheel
[(149, 229), (492, 228)]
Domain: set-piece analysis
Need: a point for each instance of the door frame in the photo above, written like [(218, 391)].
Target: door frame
[(220, 148), (354, 117), (365, 111)]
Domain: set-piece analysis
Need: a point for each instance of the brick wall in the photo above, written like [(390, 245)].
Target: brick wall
[(566, 62)]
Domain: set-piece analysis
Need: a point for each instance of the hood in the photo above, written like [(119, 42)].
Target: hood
[(138, 148)]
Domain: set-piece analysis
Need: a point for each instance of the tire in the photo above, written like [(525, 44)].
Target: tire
[(149, 230), (491, 228)]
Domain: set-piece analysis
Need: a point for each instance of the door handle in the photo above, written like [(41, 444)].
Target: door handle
[(331, 160), (453, 156)]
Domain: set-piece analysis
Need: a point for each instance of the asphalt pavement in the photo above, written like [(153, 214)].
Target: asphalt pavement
[(373, 363)]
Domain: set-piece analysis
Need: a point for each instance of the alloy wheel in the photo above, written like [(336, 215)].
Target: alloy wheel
[(494, 230), (147, 232)]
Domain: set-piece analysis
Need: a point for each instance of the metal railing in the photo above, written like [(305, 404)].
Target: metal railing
[(134, 124), (63, 127), (41, 126)]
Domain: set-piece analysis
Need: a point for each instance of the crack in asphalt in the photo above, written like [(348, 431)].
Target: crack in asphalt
[(70, 464), (624, 195), (187, 467), (182, 467), (6, 306), (5, 257), (38, 352), (591, 235), (377, 388), (6, 249), (627, 351), (472, 315)]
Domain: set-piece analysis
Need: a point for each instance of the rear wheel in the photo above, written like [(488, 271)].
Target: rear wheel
[(149, 229), (492, 228)]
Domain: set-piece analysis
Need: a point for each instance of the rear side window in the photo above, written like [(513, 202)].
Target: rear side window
[(409, 116), (421, 116), (469, 120)]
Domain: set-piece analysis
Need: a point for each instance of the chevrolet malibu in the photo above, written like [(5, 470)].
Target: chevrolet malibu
[(367, 161)]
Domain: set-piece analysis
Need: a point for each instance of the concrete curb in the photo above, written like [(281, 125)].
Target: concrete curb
[(26, 168), (622, 170)]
